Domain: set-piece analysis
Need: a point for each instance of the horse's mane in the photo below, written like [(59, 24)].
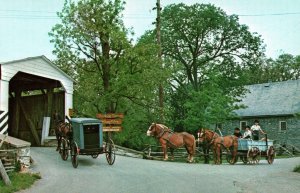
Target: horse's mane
[(165, 128)]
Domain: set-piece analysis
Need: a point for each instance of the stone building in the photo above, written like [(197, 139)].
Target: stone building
[(277, 106)]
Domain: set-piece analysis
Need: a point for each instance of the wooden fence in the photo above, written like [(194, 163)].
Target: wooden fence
[(155, 152), (8, 158)]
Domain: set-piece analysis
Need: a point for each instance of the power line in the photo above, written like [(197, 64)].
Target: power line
[(13, 14), (268, 14)]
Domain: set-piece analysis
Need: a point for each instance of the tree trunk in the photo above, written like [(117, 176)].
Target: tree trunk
[(106, 75)]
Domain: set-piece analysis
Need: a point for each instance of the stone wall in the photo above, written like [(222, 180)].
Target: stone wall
[(271, 125)]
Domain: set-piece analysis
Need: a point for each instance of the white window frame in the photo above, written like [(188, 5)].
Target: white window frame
[(241, 128), (280, 128)]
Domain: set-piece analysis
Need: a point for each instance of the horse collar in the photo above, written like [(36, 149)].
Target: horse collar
[(213, 138)]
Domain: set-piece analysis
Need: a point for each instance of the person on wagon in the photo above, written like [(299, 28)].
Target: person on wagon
[(247, 134), (256, 129), (237, 132)]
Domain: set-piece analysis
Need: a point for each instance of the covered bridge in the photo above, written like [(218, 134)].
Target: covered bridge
[(31, 89)]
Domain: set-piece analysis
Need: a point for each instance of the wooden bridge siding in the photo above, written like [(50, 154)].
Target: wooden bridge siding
[(36, 107)]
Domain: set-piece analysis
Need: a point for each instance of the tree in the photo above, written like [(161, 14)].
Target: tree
[(285, 67), (91, 44), (207, 51), (111, 75)]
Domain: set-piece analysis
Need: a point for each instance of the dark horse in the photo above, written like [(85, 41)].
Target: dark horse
[(62, 129), (218, 143), (168, 138)]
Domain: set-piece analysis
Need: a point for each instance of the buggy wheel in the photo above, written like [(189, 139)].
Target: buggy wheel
[(110, 152), (244, 159), (229, 157), (74, 153), (64, 152), (253, 155), (95, 156), (270, 155)]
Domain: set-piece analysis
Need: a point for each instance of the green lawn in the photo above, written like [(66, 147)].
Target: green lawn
[(19, 181)]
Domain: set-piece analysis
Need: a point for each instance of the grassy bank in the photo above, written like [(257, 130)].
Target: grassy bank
[(19, 181), (297, 169)]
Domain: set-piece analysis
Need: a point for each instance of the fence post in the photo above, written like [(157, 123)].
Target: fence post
[(4, 175), (149, 151)]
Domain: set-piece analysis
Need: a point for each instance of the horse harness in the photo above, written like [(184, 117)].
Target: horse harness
[(212, 139), (222, 140), (170, 133)]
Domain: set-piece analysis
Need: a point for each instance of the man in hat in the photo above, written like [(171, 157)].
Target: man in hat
[(256, 129)]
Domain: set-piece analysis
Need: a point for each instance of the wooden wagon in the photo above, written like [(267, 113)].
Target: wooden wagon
[(250, 151)]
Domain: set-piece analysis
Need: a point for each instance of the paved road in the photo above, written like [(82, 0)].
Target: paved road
[(131, 175)]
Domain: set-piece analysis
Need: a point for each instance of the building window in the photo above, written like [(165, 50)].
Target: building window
[(282, 126), (243, 125)]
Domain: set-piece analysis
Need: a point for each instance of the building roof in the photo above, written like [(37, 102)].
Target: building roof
[(35, 69), (39, 57), (271, 99)]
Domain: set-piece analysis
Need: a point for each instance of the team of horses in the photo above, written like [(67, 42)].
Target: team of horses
[(209, 140)]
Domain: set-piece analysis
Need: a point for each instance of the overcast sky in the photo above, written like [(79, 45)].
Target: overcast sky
[(24, 24)]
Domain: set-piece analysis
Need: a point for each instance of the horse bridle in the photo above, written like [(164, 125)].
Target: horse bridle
[(203, 135), (163, 130)]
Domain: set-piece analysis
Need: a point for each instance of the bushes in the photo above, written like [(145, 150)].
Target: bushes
[(297, 169)]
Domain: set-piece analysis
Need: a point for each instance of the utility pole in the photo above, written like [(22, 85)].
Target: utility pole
[(158, 39)]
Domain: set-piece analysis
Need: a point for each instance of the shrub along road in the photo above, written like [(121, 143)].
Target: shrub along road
[(132, 175)]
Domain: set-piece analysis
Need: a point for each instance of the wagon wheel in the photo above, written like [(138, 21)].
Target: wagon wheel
[(271, 154), (244, 159), (253, 155), (110, 152), (229, 157), (64, 152), (74, 153), (95, 156)]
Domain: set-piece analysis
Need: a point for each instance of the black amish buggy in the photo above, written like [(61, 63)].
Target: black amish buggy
[(87, 139)]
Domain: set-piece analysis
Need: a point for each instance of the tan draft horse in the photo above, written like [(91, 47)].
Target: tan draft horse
[(62, 130), (205, 139), (168, 138), (217, 143)]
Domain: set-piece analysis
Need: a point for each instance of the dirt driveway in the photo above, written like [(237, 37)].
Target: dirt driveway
[(131, 175)]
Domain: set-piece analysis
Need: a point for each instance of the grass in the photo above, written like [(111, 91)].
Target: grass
[(19, 181), (297, 169)]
